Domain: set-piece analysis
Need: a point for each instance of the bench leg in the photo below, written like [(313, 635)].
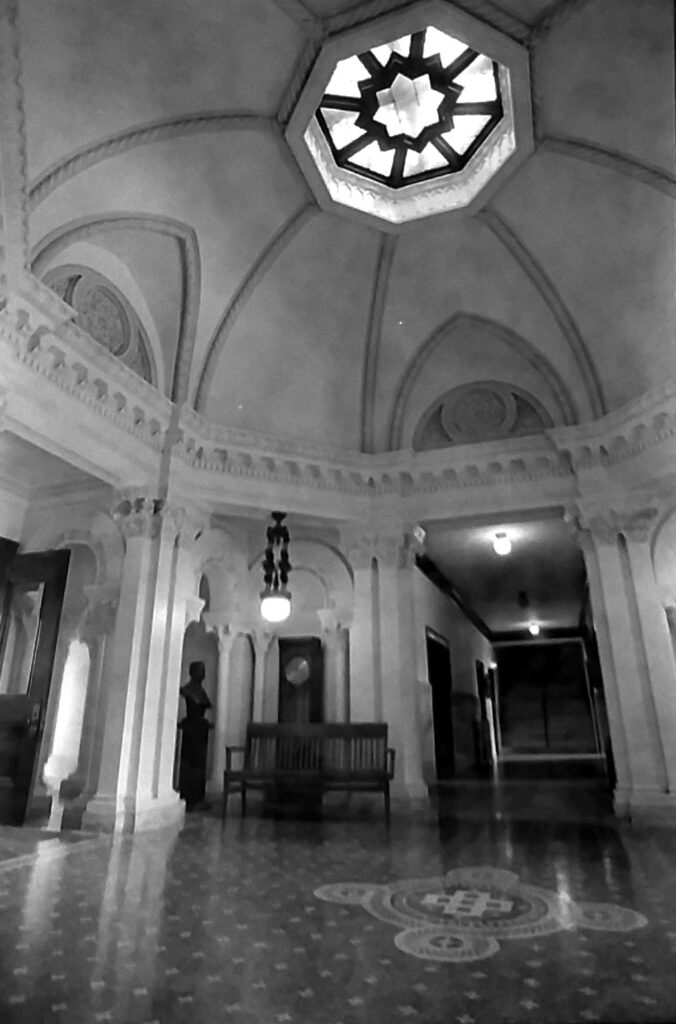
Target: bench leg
[(224, 805), (243, 798), (386, 794)]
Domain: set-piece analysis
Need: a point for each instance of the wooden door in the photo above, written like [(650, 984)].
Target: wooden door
[(32, 595), (301, 679), (439, 675)]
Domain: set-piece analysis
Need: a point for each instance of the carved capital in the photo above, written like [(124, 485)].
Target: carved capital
[(262, 641), (193, 609), (604, 526), (139, 517), (329, 624)]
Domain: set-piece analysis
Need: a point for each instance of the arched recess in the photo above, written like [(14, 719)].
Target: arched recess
[(189, 256), (485, 410), (464, 326), (109, 266)]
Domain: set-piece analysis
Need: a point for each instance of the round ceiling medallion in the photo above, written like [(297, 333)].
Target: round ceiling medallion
[(478, 412)]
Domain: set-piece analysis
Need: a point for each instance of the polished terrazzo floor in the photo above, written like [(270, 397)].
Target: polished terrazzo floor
[(300, 921)]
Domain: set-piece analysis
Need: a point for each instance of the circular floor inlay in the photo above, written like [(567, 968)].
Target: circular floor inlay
[(461, 915)]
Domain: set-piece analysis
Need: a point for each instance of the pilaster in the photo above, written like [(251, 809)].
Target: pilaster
[(396, 560), (636, 656), (129, 795), (365, 696), (262, 642)]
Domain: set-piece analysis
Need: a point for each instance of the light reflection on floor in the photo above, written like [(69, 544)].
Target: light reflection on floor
[(223, 926)]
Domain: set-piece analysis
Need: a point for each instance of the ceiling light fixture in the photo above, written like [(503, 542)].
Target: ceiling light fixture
[(275, 597), (502, 545), (534, 628)]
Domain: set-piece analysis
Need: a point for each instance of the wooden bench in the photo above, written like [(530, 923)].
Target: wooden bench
[(352, 757)]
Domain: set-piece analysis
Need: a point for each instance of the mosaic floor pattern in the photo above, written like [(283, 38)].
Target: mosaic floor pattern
[(563, 920)]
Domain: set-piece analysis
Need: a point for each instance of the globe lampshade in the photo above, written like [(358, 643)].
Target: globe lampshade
[(275, 607), (502, 545)]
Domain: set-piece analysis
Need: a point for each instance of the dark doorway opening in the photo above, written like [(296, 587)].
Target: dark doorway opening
[(439, 675), (31, 596)]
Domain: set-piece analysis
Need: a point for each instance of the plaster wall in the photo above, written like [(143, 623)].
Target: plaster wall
[(13, 508)]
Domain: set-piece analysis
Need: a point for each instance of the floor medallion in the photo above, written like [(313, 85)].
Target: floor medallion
[(464, 914)]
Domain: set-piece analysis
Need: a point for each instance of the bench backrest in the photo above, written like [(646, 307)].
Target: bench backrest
[(350, 747)]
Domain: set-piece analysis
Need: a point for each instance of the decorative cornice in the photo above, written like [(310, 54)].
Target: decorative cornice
[(623, 433), (73, 362), (269, 255), (35, 341)]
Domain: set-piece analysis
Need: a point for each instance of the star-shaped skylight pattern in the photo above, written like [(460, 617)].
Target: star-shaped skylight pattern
[(412, 109)]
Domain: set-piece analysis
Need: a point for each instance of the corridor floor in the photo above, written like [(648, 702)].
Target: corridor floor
[(532, 905)]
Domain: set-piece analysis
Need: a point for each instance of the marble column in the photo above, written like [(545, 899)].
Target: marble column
[(642, 674), (659, 651), (129, 795), (396, 562), (329, 635), (365, 697), (262, 641), (96, 632), (224, 718)]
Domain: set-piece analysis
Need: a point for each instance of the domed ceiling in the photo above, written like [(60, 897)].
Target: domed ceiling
[(169, 151)]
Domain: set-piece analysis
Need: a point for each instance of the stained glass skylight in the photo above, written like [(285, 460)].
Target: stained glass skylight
[(412, 109)]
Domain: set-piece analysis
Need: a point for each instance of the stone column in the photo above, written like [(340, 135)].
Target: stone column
[(329, 635), (96, 632), (130, 796), (657, 645), (226, 634), (636, 679), (396, 561), (262, 640), (365, 699)]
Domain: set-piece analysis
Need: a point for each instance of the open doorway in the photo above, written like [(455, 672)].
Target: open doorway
[(440, 679)]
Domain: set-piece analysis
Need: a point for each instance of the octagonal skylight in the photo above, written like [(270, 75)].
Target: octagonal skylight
[(415, 108), (425, 123)]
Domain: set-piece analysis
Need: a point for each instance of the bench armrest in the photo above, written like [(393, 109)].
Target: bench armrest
[(390, 761), (229, 751)]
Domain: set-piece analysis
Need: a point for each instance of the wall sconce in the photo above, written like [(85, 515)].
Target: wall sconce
[(502, 545), (275, 597)]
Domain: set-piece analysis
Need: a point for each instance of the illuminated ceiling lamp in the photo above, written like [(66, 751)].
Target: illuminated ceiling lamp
[(534, 628), (275, 597), (502, 545)]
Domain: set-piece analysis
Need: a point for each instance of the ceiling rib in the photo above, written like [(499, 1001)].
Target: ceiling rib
[(483, 10), (156, 131), (550, 295), (577, 149), (189, 258), (274, 248), (384, 259), (297, 12)]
